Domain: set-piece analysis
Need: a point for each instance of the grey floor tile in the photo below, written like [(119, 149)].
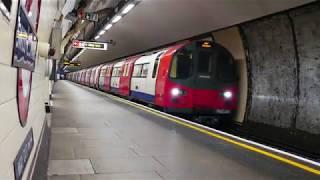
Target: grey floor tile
[(61, 152), (126, 165), (70, 167), (104, 152), (64, 130), (68, 177), (149, 175)]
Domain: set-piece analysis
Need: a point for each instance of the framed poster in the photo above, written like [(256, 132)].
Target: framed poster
[(25, 54), (25, 45)]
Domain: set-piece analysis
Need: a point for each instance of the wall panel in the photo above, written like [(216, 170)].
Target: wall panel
[(273, 71), (307, 32)]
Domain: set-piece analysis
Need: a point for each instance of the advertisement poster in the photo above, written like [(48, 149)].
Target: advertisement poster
[(25, 50)]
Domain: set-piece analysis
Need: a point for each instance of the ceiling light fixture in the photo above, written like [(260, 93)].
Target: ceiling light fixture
[(128, 8), (116, 19), (74, 58), (101, 32), (97, 37), (108, 27)]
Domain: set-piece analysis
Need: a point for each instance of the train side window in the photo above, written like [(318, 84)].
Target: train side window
[(137, 70), (125, 70), (115, 72), (182, 65), (156, 65), (145, 68), (128, 69), (109, 71)]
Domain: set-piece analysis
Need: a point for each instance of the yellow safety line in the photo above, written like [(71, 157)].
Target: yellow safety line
[(212, 134)]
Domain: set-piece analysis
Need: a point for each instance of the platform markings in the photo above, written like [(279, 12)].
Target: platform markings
[(222, 136)]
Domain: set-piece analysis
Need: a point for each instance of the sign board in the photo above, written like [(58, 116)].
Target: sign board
[(89, 45), (23, 155), (26, 41), (91, 17), (71, 63)]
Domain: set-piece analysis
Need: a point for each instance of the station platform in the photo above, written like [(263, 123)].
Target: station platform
[(99, 137)]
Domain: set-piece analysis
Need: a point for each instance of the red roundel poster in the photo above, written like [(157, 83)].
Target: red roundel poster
[(24, 90)]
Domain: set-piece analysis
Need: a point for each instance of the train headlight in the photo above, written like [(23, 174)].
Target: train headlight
[(176, 92), (227, 94)]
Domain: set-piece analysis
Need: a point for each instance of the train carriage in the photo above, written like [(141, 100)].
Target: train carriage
[(96, 77), (143, 81), (87, 77), (196, 78), (115, 77), (126, 76), (105, 77)]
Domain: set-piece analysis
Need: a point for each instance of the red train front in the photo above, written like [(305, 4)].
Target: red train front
[(197, 78)]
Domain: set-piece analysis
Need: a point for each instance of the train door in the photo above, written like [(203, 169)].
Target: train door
[(115, 77), (150, 83)]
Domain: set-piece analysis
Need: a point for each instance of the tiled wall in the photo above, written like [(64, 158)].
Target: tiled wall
[(11, 132)]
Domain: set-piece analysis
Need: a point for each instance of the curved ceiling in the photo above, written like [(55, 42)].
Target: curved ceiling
[(153, 23)]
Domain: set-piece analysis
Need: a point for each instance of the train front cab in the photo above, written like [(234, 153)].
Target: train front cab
[(197, 78)]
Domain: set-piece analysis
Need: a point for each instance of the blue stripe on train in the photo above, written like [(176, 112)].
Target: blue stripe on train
[(142, 96)]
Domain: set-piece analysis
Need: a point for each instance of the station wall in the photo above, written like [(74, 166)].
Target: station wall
[(12, 134)]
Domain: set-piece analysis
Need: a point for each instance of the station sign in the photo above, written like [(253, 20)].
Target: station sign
[(75, 64), (89, 45), (91, 17)]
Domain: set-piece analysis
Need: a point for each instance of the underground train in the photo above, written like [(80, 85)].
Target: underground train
[(196, 78)]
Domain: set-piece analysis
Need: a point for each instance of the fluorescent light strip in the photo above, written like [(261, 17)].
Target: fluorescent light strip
[(116, 19), (108, 27), (128, 8), (74, 58), (101, 32), (97, 37)]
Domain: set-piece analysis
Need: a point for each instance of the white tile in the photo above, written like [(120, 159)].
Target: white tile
[(8, 82), (70, 167)]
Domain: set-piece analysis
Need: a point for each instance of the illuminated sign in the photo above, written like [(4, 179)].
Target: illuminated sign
[(66, 63), (206, 45), (89, 45)]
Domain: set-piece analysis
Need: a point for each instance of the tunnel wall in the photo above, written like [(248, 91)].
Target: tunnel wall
[(283, 59), (306, 23)]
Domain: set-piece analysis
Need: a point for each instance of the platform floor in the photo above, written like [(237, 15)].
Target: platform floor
[(98, 138)]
